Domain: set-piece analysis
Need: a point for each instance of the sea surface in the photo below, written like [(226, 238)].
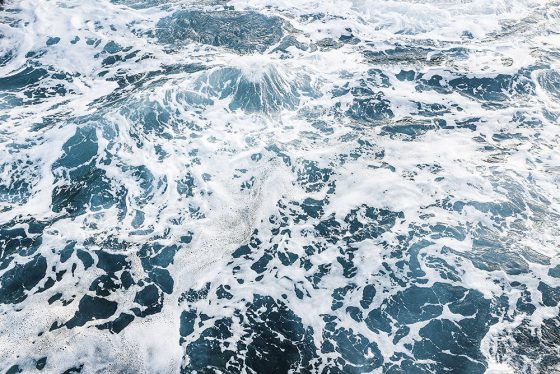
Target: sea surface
[(280, 186)]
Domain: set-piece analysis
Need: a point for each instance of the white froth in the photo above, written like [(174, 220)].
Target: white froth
[(500, 39)]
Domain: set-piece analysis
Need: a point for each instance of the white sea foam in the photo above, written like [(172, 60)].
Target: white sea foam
[(215, 145)]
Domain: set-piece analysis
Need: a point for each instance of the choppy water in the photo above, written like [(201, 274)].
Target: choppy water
[(279, 186)]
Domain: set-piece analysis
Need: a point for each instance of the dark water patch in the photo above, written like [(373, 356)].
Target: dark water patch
[(554, 272), (491, 91), (280, 153), (534, 353), (288, 42), (16, 282), (27, 77), (6, 57), (74, 369), (80, 149), (498, 88), (369, 106), (266, 89), (114, 53), (17, 240), (92, 308), (243, 32), (14, 370), (148, 287), (550, 294), (452, 346), (41, 363), (206, 354), (408, 129), (431, 109), (145, 181), (52, 41), (148, 119), (92, 191), (119, 324), (33, 84), (369, 223), (150, 301), (356, 353), (141, 4), (186, 185), (312, 177), (549, 80), (404, 55), (83, 185), (414, 304), (272, 337)]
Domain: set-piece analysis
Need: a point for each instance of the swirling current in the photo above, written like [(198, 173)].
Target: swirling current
[(279, 186)]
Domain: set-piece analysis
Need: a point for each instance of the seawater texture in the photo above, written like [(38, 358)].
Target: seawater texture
[(279, 186)]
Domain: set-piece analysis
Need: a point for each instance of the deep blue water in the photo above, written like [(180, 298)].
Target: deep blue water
[(255, 186)]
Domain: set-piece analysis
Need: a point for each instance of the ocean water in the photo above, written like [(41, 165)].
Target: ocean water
[(279, 186)]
